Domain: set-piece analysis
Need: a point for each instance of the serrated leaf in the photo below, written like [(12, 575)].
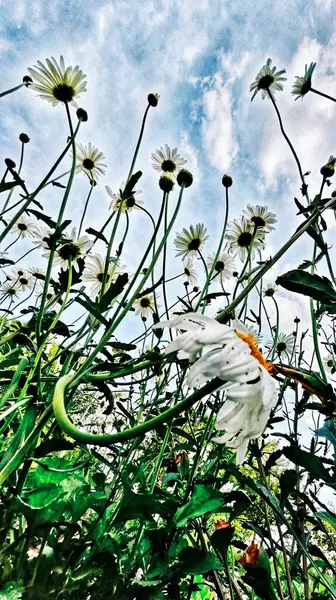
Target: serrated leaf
[(314, 286), (5, 186), (113, 291), (203, 500), (42, 217)]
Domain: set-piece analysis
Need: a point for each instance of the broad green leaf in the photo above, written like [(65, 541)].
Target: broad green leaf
[(11, 591), (310, 462), (288, 481), (98, 234), (325, 516), (203, 500), (196, 562), (314, 286), (310, 380), (139, 506), (328, 431), (221, 540), (113, 291), (43, 495)]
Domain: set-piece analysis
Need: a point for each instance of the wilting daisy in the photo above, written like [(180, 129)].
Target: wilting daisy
[(285, 345), (167, 160), (330, 364), (269, 289), (218, 351), (267, 80), (144, 306), (190, 271), (243, 237), (56, 82), (190, 242), (127, 203), (89, 161), (23, 226), (224, 265), (71, 250), (22, 277), (260, 217), (94, 272), (302, 85)]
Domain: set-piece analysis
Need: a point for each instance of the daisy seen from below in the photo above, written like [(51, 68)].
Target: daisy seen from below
[(128, 204), (23, 227), (285, 345), (221, 351), (57, 83), (189, 243), (223, 267), (167, 160), (43, 237), (330, 364), (269, 290), (72, 249), (22, 277), (190, 271), (260, 217), (89, 161), (94, 272), (302, 85), (244, 238), (10, 289), (145, 306), (267, 80), (39, 275)]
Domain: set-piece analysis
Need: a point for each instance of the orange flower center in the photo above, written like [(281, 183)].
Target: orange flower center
[(251, 341)]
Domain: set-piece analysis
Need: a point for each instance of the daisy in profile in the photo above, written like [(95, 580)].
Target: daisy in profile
[(260, 217), (56, 82), (22, 277), (190, 271), (145, 306), (39, 276), (94, 272), (23, 227), (167, 160), (243, 238), (267, 80), (71, 250), (188, 243), (89, 161), (128, 204), (223, 267), (302, 85)]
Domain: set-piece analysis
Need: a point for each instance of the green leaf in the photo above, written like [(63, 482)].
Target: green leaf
[(310, 462), (221, 540), (314, 286), (328, 431), (325, 516), (131, 183), (203, 500), (43, 496), (11, 591), (138, 506), (310, 380), (288, 481), (5, 186), (52, 445), (196, 562), (113, 291), (97, 234), (43, 217), (122, 346)]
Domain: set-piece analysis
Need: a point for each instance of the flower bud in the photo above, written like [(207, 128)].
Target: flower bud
[(93, 182), (82, 115), (328, 170), (222, 524), (27, 80), (166, 183), (333, 194), (297, 320), (195, 289), (153, 99), (10, 163), (227, 181), (24, 138), (184, 177)]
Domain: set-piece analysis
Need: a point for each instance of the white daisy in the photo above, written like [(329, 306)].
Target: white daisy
[(72, 249), (56, 82), (330, 364), (302, 85), (94, 272), (267, 80), (89, 161), (167, 160), (190, 242), (128, 204), (22, 277), (190, 271), (269, 289), (37, 273), (224, 265), (43, 236), (285, 345), (260, 217), (145, 306), (244, 238), (10, 289), (23, 226)]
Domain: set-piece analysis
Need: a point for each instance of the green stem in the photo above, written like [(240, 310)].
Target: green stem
[(322, 94), (85, 209), (276, 336), (14, 89)]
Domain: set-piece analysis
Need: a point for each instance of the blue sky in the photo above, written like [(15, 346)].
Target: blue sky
[(201, 57)]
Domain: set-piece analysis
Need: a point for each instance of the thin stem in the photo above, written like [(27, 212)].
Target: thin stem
[(138, 144), (14, 89), (276, 335), (85, 209), (322, 94)]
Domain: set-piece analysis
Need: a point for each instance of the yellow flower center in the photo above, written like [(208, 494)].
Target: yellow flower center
[(252, 343)]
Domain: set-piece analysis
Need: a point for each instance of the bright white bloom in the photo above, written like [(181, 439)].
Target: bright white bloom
[(56, 82), (269, 289), (23, 226), (167, 160), (89, 161), (221, 351), (224, 266), (73, 249), (285, 345), (267, 80), (94, 272), (190, 242), (129, 203), (302, 85), (260, 217), (22, 277), (145, 306), (190, 271), (10, 289), (330, 364), (243, 238)]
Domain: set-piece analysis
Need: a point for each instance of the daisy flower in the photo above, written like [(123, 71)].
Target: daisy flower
[(72, 249), (167, 160), (22, 277), (267, 80), (260, 217), (145, 306), (302, 85), (94, 272), (127, 203), (89, 161), (269, 289), (248, 333), (190, 271), (10, 289), (56, 82), (43, 237), (243, 238), (285, 345), (224, 265), (36, 272), (330, 364), (190, 242), (23, 226)]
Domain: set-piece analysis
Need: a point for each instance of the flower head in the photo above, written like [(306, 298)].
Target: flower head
[(88, 161), (302, 85), (267, 80), (167, 160), (94, 272), (190, 271), (260, 217), (330, 364), (223, 267), (71, 250), (190, 242), (285, 345), (244, 237), (128, 204), (145, 306), (23, 226), (222, 524), (43, 237), (39, 276), (269, 290), (56, 82), (22, 277), (10, 289)]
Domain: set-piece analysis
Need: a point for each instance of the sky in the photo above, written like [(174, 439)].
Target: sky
[(200, 57)]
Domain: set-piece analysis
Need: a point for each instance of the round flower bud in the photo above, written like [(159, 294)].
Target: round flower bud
[(186, 283), (235, 274), (27, 80), (297, 320), (82, 115), (227, 181), (153, 99), (184, 177), (328, 170), (195, 289), (333, 194), (93, 182), (10, 163), (24, 138), (166, 183)]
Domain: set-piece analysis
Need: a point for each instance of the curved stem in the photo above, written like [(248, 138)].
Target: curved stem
[(322, 94), (138, 144), (14, 89)]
